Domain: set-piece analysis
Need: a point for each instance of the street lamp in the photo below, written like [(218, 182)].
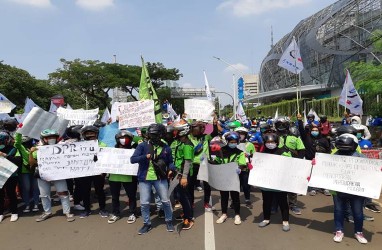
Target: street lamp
[(233, 100)]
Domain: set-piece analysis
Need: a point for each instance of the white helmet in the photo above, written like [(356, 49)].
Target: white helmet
[(241, 130)]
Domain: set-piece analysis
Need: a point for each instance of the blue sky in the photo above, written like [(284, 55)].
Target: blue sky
[(184, 34)]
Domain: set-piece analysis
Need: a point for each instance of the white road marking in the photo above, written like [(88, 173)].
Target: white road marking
[(209, 234)]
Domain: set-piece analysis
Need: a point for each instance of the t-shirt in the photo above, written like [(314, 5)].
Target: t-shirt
[(181, 151), (151, 175), (204, 142), (292, 142), (120, 178)]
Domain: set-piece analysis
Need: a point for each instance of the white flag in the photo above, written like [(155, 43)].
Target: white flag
[(106, 116), (6, 105), (171, 111), (53, 108), (349, 96), (207, 87), (276, 114), (291, 58), (316, 118), (240, 114), (29, 105), (69, 107), (305, 119)]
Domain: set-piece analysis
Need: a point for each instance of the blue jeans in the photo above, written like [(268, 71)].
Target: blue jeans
[(356, 203), (45, 190), (161, 186), (29, 187)]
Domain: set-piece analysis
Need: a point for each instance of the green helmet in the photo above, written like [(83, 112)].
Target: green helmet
[(48, 133), (234, 124)]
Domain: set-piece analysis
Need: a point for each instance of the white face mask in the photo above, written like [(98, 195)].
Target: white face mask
[(51, 141), (271, 145), (122, 141)]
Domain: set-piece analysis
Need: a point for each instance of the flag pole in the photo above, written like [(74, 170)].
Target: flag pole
[(297, 84), (347, 89)]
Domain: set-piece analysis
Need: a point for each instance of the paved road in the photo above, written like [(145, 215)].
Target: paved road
[(311, 230)]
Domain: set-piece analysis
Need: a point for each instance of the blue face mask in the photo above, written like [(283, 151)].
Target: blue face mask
[(314, 133), (359, 135), (232, 145)]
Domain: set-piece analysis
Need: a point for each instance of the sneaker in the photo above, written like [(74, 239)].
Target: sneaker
[(145, 229), (131, 219), (222, 219), (200, 189), (14, 217), (169, 226), (361, 239), (1, 218), (27, 209), (85, 214), (208, 207), (248, 204), (78, 207), (187, 224), (327, 192), (113, 218), (104, 213), (373, 208), (338, 237), (286, 228), (263, 223), (295, 210), (35, 208), (180, 217), (237, 220), (70, 217), (177, 204), (161, 214), (44, 216), (313, 193), (368, 218)]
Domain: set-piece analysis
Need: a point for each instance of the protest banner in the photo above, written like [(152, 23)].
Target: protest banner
[(38, 120), (7, 168), (223, 177), (6, 105), (136, 114), (115, 161), (347, 174), (280, 173), (67, 160), (78, 116), (199, 109), (372, 153)]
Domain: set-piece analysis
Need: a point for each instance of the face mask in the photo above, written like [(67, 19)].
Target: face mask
[(232, 145), (2, 147), (242, 137), (315, 133), (124, 141), (359, 135), (51, 141), (270, 145)]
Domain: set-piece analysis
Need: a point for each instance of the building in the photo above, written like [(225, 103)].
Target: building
[(328, 40), (251, 84)]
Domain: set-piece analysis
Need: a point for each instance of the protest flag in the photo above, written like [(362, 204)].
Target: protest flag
[(349, 97), (207, 87)]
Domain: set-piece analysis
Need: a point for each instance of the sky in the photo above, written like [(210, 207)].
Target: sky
[(185, 34)]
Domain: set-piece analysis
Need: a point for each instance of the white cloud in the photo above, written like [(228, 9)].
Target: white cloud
[(236, 68), (242, 8), (95, 5), (35, 3)]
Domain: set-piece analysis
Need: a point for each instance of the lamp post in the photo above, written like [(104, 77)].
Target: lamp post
[(233, 100)]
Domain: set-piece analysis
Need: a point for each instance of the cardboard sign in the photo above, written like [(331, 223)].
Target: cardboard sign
[(116, 161), (7, 168), (280, 173), (347, 174), (199, 109), (136, 114), (78, 116)]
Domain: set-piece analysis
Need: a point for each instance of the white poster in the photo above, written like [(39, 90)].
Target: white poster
[(136, 114), (346, 174), (223, 177), (38, 120), (199, 109), (280, 173), (116, 161), (7, 168), (78, 116), (67, 160)]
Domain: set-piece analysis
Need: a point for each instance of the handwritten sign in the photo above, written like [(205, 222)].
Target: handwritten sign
[(199, 109), (280, 173), (136, 114), (78, 116), (347, 174), (223, 177), (38, 120), (6, 106), (67, 160), (116, 161), (7, 168)]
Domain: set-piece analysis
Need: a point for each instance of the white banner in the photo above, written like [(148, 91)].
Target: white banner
[(346, 174), (199, 109), (6, 105), (291, 58), (280, 173), (136, 114), (223, 177), (7, 168), (38, 120), (67, 160), (116, 161), (78, 117)]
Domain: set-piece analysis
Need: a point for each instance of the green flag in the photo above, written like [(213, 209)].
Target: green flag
[(147, 92)]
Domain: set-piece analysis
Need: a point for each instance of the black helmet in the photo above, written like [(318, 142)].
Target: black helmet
[(282, 124), (323, 118), (10, 124), (346, 142), (311, 116), (123, 134), (294, 131), (155, 132), (346, 129), (99, 124), (74, 132), (270, 137), (89, 128)]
